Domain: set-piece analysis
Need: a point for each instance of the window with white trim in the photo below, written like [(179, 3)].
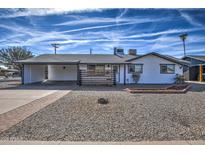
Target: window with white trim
[(135, 68), (167, 68), (96, 70)]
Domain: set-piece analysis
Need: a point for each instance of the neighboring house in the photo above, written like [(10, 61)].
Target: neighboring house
[(6, 69), (2, 67), (196, 69), (118, 68)]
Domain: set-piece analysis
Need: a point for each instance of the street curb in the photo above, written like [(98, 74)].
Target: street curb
[(185, 142)]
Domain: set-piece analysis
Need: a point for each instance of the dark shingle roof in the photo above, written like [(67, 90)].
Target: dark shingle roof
[(197, 57), (178, 60), (167, 57), (93, 58), (76, 58)]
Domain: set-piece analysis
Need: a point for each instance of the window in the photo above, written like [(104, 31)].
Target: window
[(96, 70), (100, 69), (91, 68), (138, 68), (167, 68)]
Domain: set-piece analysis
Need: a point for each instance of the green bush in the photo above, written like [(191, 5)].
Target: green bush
[(179, 79), (136, 76)]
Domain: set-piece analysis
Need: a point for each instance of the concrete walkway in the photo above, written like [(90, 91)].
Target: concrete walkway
[(199, 142), (18, 114)]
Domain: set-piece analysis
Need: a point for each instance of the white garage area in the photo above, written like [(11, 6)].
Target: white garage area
[(33, 73), (62, 72)]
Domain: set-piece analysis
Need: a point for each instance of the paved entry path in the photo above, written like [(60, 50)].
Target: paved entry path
[(14, 116)]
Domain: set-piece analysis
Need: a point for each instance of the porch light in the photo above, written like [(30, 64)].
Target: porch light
[(64, 67)]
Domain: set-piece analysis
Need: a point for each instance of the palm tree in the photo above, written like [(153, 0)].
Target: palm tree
[(12, 54), (183, 37)]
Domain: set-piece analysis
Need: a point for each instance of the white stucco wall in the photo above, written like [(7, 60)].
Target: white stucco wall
[(34, 73), (121, 74), (151, 71), (57, 73)]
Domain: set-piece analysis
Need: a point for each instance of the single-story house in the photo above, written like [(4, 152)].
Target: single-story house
[(151, 68), (196, 71)]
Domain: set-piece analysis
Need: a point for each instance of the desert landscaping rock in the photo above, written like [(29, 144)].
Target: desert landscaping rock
[(102, 101), (127, 117)]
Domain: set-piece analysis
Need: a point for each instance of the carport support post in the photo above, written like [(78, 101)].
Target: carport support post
[(22, 74), (78, 75), (124, 74), (200, 72)]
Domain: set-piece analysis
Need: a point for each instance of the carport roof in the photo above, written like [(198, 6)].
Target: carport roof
[(77, 58)]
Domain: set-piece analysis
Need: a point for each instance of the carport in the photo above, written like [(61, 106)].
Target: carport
[(50, 71), (197, 72)]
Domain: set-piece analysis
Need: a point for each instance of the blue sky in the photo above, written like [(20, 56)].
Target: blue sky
[(147, 30)]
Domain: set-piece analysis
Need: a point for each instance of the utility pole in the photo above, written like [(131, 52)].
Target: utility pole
[(91, 51), (55, 46)]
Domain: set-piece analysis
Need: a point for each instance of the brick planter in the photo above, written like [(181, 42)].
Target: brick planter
[(170, 90)]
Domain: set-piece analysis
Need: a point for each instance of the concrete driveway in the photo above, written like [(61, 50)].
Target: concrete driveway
[(13, 98), (16, 96)]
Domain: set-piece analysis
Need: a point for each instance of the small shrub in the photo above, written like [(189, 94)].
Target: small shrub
[(136, 76), (179, 79)]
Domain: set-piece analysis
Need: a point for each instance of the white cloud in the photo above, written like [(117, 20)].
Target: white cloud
[(107, 39), (102, 38), (112, 25), (171, 31), (24, 36), (117, 21), (42, 12), (171, 41), (118, 18), (122, 13), (19, 29), (178, 52), (196, 51), (80, 21), (190, 19)]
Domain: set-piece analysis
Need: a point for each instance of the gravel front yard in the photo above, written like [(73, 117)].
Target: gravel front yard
[(128, 117)]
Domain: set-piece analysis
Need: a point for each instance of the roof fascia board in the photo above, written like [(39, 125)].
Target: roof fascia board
[(107, 63), (43, 63), (60, 63), (158, 55)]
